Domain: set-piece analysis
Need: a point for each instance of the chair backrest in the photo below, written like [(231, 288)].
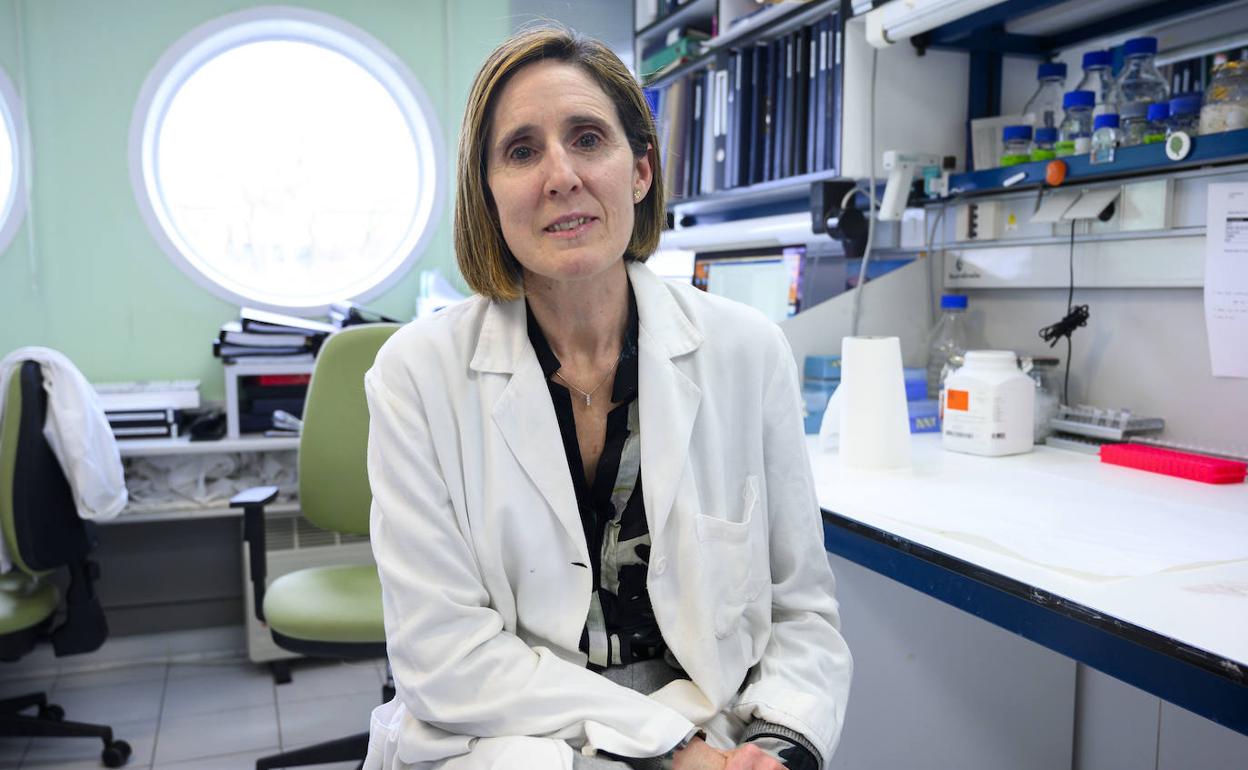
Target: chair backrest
[(333, 447), (37, 513)]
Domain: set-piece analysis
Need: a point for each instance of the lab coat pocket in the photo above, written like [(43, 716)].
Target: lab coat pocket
[(735, 529), (732, 561)]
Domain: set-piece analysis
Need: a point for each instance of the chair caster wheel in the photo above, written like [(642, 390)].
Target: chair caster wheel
[(115, 754), (52, 712)]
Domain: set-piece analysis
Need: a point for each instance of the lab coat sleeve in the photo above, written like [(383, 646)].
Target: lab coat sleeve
[(455, 666), (802, 680)]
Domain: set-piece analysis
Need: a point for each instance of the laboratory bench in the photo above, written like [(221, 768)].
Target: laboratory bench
[(1138, 575)]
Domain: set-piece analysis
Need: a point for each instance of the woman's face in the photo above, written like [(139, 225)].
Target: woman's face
[(561, 173)]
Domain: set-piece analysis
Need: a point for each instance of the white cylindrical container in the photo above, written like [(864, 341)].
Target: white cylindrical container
[(989, 406), (874, 425)]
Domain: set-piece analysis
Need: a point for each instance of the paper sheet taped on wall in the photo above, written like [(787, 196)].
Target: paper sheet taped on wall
[(1226, 279)]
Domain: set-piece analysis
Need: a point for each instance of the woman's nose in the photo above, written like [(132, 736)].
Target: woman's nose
[(561, 176)]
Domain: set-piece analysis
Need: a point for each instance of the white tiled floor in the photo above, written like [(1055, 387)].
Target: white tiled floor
[(219, 715)]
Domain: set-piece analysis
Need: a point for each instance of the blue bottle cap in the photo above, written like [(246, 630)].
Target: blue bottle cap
[(1139, 45), (1051, 70), (953, 302), (1096, 59), (1101, 121), (1017, 132), (1158, 111), (1185, 104), (1078, 99), (1046, 134)]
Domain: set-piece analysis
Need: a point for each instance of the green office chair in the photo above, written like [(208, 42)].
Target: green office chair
[(43, 532), (335, 611)]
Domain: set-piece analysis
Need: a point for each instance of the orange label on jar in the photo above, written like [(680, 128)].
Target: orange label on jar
[(959, 400)]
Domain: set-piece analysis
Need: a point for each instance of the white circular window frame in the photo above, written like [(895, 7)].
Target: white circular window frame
[(16, 198), (207, 41)]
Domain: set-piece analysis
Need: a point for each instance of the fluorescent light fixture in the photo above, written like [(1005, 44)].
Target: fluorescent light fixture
[(899, 20)]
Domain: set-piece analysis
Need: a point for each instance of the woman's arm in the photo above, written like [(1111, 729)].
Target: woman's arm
[(802, 681), (455, 667)]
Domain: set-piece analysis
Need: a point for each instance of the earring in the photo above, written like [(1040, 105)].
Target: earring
[(637, 196)]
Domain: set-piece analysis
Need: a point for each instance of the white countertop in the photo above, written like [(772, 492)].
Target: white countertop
[(1137, 546)]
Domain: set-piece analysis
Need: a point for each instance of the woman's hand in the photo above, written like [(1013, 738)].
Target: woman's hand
[(747, 756), (698, 755)]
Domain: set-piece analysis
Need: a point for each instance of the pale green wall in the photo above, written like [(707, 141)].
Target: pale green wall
[(97, 287)]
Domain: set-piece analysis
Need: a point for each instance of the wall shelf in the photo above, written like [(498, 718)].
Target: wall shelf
[(1141, 160), (1006, 27), (183, 445), (192, 511)]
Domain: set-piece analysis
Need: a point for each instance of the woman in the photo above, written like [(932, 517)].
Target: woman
[(593, 518)]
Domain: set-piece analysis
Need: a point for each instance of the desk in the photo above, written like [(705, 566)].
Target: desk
[(1180, 634)]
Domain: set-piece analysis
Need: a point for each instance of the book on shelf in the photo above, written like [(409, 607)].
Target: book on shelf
[(169, 430), (267, 322), (759, 111), (343, 314), (148, 394), (232, 334), (688, 45), (140, 416), (230, 353)]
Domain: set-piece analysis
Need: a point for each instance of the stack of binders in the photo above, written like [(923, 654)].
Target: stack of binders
[(262, 335), (147, 409)]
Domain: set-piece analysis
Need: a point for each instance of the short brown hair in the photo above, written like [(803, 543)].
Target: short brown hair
[(485, 261)]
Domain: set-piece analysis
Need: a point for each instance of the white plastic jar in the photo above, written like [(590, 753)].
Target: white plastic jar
[(989, 406)]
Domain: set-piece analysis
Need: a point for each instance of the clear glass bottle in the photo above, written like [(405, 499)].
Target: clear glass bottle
[(948, 341), (1158, 119), (1184, 115), (1133, 120), (1226, 99), (1075, 134), (1139, 80), (1017, 145), (1042, 147), (1106, 136), (1098, 77), (1045, 105)]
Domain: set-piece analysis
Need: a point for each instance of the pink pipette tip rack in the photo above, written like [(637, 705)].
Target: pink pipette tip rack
[(1186, 465)]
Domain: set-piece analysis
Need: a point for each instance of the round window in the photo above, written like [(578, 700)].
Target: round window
[(286, 159), (12, 189)]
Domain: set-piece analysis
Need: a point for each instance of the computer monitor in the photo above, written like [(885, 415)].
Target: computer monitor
[(769, 282)]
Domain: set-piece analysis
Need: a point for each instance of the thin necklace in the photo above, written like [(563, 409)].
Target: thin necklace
[(587, 395)]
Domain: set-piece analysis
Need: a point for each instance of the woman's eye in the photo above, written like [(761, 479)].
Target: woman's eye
[(588, 141), (521, 153)]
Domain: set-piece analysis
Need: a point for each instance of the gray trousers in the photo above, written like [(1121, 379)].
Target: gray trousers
[(646, 677)]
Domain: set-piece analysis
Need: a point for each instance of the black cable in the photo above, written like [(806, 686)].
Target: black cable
[(1075, 318)]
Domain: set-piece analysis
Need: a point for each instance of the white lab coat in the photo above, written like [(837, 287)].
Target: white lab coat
[(78, 433), (480, 548)]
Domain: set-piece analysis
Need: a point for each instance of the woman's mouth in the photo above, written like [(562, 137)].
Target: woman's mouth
[(570, 227)]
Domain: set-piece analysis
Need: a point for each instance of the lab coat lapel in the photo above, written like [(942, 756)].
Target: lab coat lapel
[(524, 413), (667, 399)]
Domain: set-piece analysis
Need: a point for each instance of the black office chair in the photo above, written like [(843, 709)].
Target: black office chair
[(43, 533)]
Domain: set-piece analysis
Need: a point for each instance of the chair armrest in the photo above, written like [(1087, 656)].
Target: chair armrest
[(252, 501)]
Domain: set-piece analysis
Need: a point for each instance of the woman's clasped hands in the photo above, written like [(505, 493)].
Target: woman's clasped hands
[(699, 755)]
